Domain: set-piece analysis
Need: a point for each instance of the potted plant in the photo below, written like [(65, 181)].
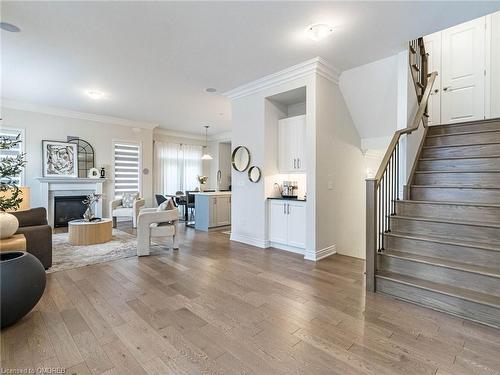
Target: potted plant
[(202, 180), (10, 194)]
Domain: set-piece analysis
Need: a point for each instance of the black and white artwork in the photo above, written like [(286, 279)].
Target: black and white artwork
[(59, 159)]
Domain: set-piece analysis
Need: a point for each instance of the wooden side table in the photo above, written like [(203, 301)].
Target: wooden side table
[(90, 232), (15, 243)]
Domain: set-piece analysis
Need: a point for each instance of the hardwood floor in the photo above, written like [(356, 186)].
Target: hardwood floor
[(220, 307)]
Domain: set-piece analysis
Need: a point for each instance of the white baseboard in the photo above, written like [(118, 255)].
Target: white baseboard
[(249, 240), (292, 249), (320, 254)]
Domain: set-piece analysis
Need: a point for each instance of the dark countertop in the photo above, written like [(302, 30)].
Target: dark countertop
[(288, 199)]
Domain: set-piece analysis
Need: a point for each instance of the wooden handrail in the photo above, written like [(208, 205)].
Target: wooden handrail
[(414, 126)]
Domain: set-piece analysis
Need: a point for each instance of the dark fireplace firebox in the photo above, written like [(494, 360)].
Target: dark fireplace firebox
[(67, 208)]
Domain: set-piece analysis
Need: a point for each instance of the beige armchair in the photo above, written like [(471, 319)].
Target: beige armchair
[(117, 210), (154, 223)]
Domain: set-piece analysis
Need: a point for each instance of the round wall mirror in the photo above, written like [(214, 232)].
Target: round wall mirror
[(240, 158), (254, 174)]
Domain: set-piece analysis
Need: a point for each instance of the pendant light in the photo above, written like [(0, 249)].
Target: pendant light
[(206, 155)]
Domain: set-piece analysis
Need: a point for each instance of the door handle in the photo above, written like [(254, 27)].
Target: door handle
[(446, 88), (288, 209), (284, 208), (298, 163), (294, 163)]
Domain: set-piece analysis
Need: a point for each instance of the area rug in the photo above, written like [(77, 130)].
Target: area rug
[(66, 256)]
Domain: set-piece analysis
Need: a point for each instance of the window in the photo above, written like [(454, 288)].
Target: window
[(12, 133), (177, 167), (127, 166)]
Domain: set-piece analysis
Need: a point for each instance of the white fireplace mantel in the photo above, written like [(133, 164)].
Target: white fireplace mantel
[(56, 186)]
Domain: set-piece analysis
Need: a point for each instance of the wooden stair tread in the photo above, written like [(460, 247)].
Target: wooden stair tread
[(449, 221), (459, 171), (450, 203), (441, 262), (464, 133), (488, 246), (457, 186), (461, 293), (464, 145), (475, 122), (460, 157)]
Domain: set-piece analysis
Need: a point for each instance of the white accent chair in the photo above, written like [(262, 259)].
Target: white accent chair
[(117, 210), (154, 223)]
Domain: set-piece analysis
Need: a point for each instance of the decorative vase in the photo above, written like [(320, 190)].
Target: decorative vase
[(8, 225), (88, 214), (22, 282)]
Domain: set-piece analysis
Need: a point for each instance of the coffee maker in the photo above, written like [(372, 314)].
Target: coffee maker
[(289, 189)]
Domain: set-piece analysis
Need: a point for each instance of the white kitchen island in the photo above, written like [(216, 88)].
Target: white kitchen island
[(212, 209)]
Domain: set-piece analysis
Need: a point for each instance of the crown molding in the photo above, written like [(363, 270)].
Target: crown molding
[(178, 134), (222, 136), (316, 65), (23, 106)]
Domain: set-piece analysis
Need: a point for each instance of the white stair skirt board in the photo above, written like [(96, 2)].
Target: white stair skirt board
[(320, 254)]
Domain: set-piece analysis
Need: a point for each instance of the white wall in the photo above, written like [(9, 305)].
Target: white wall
[(340, 174), (370, 92), (100, 135), (254, 125), (495, 64)]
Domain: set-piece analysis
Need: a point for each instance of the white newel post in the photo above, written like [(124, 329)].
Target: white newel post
[(51, 187)]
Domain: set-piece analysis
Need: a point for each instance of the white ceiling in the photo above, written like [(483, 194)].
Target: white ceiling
[(155, 59)]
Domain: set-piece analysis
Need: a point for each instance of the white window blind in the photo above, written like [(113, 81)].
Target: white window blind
[(127, 168), (12, 133)]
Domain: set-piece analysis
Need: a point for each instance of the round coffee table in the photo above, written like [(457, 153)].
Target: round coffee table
[(83, 232)]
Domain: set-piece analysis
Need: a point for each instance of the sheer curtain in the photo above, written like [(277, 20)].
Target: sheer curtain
[(176, 167)]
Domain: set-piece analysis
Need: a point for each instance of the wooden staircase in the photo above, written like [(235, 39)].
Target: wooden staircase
[(438, 245), (443, 247)]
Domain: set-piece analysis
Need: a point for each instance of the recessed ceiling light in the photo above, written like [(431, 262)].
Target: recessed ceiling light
[(319, 31), (211, 89), (95, 94), (9, 27)]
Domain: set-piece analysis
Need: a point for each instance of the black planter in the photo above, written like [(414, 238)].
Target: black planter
[(22, 280)]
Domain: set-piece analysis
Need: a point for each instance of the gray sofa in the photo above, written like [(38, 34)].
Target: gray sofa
[(33, 224)]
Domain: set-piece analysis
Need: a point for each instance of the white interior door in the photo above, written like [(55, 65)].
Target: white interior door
[(463, 60), (433, 48)]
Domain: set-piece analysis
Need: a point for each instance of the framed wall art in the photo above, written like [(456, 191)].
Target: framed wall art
[(59, 159)]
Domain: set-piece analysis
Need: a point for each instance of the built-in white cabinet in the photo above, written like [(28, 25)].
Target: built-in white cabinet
[(287, 223), (291, 144)]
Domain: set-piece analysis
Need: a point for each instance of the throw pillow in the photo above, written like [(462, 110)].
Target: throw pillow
[(167, 205), (128, 199)]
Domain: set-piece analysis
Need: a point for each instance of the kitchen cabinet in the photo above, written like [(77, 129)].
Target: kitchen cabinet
[(291, 144), (212, 210), (287, 223)]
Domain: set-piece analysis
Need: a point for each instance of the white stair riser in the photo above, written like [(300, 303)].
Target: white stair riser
[(483, 164), (463, 139), (475, 233), (451, 129), (461, 151), (455, 194), (449, 276), (449, 211), (442, 302), (462, 254), (460, 179)]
